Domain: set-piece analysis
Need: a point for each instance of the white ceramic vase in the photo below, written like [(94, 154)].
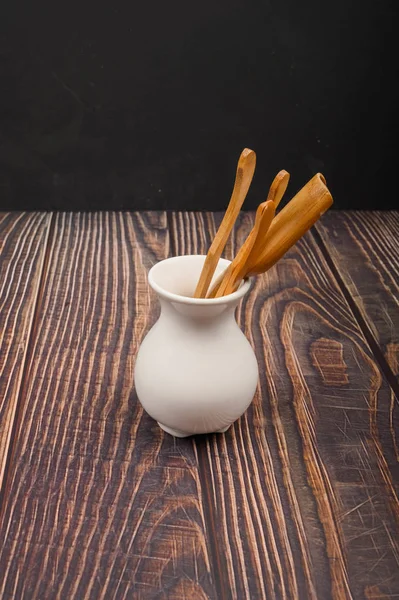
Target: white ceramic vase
[(195, 370)]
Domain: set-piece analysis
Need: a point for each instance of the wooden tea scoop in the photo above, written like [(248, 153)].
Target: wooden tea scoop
[(244, 174), (235, 272), (291, 223), (278, 187)]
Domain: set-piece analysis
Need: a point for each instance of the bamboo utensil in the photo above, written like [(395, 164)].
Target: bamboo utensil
[(231, 278), (276, 192), (278, 187), (244, 175), (291, 223), (277, 237)]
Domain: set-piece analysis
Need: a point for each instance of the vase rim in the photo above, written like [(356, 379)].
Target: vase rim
[(174, 297)]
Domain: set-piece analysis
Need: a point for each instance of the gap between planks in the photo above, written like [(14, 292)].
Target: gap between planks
[(364, 327)]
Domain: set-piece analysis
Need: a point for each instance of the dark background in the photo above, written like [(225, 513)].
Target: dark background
[(127, 105)]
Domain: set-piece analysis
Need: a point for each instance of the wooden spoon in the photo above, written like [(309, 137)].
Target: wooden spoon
[(235, 273), (244, 174), (291, 223), (278, 187)]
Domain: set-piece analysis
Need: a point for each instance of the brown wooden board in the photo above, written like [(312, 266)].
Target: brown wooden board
[(22, 250), (101, 503), (302, 488), (297, 500)]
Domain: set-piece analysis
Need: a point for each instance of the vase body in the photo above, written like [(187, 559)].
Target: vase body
[(195, 370)]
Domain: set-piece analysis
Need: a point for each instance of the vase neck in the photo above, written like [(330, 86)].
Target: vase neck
[(219, 312)]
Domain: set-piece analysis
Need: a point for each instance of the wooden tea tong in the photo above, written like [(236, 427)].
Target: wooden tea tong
[(244, 174)]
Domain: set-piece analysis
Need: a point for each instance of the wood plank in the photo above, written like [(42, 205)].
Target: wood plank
[(22, 250), (102, 503), (364, 247), (304, 486)]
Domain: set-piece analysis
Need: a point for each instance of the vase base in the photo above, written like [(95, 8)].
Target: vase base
[(174, 432), (223, 430), (182, 434)]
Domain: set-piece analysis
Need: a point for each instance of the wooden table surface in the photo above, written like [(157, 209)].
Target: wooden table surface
[(299, 499)]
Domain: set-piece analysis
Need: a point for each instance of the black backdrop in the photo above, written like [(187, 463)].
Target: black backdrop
[(127, 105)]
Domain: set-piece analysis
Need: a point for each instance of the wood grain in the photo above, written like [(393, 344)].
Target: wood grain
[(101, 503), (365, 249), (22, 250), (303, 488), (298, 500)]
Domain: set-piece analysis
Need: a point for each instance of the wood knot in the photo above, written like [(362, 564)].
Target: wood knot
[(328, 357), (373, 592)]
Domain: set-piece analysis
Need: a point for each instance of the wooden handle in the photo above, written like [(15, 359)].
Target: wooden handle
[(265, 224), (234, 270), (293, 222), (244, 175), (249, 250), (278, 187)]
